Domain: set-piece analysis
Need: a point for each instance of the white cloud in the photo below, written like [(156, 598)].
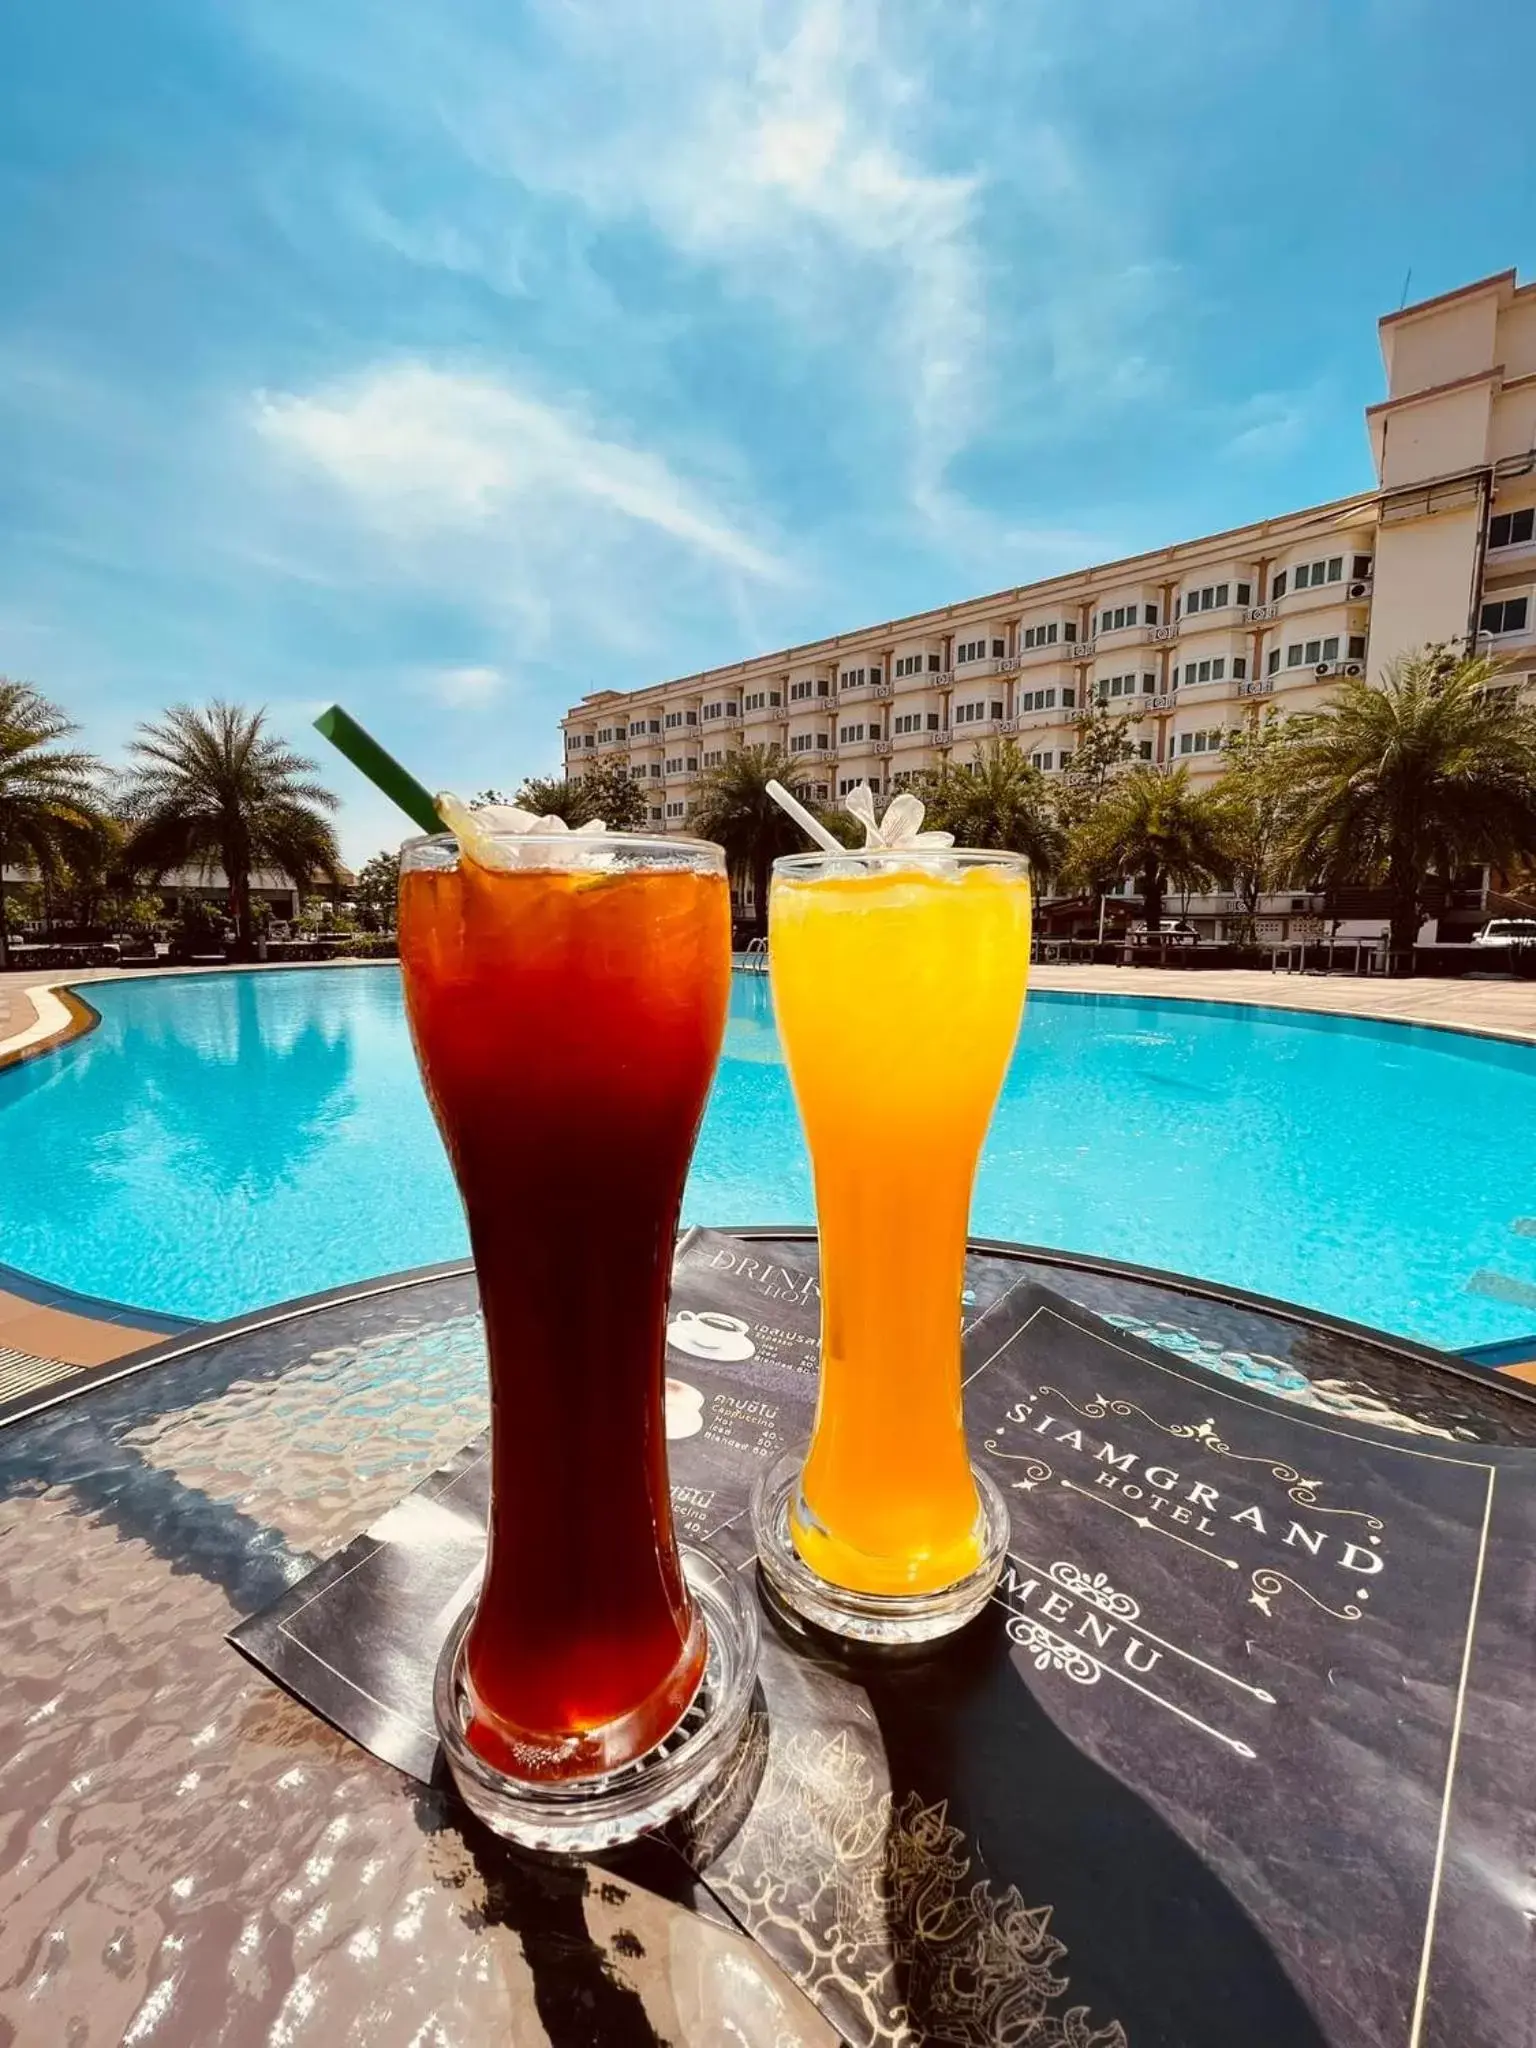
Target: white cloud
[(420, 447), (1268, 425), (784, 144), (468, 688)]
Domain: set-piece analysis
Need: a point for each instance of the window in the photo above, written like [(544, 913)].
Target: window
[(1064, 759), (1143, 750), (874, 674), (933, 665), (775, 699), (1117, 686), (1312, 575), (1151, 615), (692, 717), (1148, 683), (675, 765), (1245, 593), (1210, 597), (673, 718), (1273, 664), (1293, 654), (604, 735), (849, 735), (753, 701), (1357, 647), (1508, 617), (821, 742), (674, 810), (656, 771), (1511, 529), (1045, 636), (1277, 588), (800, 743), (933, 721), (693, 764), (1331, 647), (910, 721), (654, 724), (1314, 651), (908, 665), (1069, 698), (1189, 671), (997, 707), (587, 740), (655, 814), (1239, 667), (796, 692), (819, 792), (850, 679), (636, 725), (713, 760), (1045, 759), (974, 712), (1039, 700), (1361, 567), (971, 650), (999, 648), (1208, 742), (637, 774)]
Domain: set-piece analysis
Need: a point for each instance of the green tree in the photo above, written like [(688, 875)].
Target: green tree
[(216, 788), (604, 791), (732, 807), (1002, 801), (1102, 746), (1153, 829), (50, 805), (1401, 783), (377, 892), (1255, 801)]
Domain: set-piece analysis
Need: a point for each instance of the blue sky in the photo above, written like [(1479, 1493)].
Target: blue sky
[(453, 359)]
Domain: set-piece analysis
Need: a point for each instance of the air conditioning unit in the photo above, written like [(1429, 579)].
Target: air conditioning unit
[(1324, 668), (1360, 589), (1354, 668)]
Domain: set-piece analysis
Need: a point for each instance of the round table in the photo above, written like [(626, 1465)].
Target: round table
[(191, 1857)]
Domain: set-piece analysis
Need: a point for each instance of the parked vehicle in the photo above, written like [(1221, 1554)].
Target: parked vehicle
[(1507, 931)]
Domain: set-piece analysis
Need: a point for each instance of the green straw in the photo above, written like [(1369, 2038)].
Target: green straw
[(381, 769)]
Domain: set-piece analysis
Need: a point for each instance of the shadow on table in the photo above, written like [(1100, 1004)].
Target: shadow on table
[(1026, 1892)]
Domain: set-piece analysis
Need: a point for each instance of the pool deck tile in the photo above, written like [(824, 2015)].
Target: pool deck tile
[(45, 1332)]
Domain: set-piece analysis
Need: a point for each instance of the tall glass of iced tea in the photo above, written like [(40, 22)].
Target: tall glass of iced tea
[(567, 998)]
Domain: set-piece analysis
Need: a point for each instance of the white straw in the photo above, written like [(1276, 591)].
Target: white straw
[(804, 820)]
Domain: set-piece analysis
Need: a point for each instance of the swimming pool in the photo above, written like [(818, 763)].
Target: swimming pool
[(226, 1141)]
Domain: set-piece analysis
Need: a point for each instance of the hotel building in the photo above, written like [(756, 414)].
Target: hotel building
[(1194, 639)]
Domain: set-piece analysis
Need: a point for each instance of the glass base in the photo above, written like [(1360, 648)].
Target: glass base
[(871, 1617), (581, 1816)]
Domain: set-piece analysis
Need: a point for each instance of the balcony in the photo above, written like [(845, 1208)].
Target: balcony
[(883, 750), (1006, 665), (1159, 636), (1261, 686), (1259, 614), (1078, 650)]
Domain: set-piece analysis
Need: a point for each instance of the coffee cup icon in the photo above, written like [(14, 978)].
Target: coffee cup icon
[(685, 1410), (707, 1333)]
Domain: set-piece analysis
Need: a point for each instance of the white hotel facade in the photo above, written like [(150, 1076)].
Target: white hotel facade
[(1194, 639)]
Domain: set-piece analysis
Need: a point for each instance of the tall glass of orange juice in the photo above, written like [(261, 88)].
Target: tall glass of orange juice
[(898, 984)]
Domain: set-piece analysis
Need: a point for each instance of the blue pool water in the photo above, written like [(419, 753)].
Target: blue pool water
[(223, 1142)]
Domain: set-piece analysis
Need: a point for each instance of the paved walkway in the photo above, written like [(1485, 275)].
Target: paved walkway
[(1506, 1009)]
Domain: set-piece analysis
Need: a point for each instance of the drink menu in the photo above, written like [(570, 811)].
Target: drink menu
[(1244, 1750)]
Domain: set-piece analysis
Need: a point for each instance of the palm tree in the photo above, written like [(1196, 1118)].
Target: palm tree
[(50, 808), (1401, 783), (1002, 801), (216, 788), (1153, 829), (734, 809)]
